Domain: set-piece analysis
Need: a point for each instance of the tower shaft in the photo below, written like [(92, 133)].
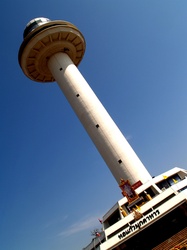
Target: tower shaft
[(110, 142)]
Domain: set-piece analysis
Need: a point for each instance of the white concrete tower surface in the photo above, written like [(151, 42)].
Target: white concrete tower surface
[(50, 51)]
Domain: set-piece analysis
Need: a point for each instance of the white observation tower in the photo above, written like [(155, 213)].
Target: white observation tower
[(50, 51)]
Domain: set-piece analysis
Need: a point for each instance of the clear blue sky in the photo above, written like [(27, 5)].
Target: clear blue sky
[(53, 182)]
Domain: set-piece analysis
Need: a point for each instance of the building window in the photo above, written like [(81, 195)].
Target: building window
[(168, 182)]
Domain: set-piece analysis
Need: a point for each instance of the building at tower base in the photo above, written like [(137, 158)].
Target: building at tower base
[(156, 220)]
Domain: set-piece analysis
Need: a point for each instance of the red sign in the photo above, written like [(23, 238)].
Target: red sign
[(136, 185)]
